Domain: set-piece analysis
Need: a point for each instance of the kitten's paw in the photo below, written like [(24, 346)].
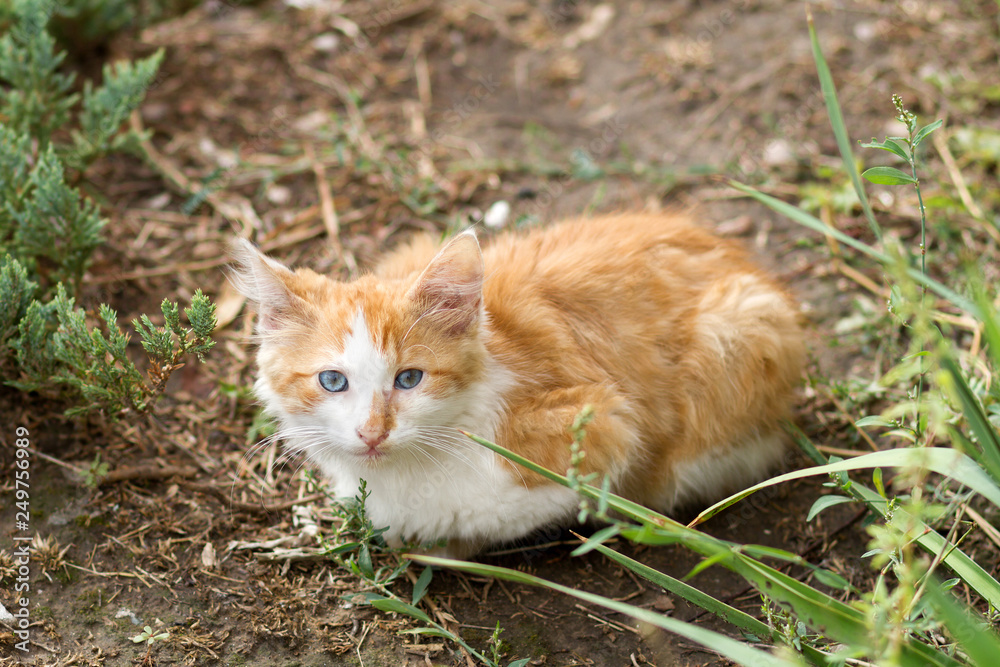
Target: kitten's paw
[(454, 549)]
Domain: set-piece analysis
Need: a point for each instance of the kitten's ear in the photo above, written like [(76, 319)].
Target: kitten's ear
[(450, 290), (265, 282)]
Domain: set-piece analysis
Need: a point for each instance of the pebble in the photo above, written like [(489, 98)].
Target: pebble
[(497, 215), (278, 194), (326, 42)]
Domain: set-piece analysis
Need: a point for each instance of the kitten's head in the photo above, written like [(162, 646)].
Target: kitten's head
[(368, 371)]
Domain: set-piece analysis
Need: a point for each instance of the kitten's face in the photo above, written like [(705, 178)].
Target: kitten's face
[(370, 372)]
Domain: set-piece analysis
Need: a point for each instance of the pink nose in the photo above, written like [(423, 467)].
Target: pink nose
[(372, 438)]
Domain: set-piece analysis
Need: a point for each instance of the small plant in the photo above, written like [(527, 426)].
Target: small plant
[(97, 469), (150, 637), (357, 540), (906, 148), (8, 568), (56, 349), (357, 546), (50, 556), (498, 649), (45, 223)]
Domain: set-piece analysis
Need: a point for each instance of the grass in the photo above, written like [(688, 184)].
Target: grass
[(936, 429), (936, 405), (942, 440)]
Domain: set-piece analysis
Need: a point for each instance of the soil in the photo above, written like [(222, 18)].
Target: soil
[(419, 116)]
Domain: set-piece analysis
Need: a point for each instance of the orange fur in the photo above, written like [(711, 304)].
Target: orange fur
[(686, 350), (645, 311)]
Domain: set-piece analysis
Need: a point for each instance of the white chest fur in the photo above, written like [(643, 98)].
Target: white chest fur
[(468, 495)]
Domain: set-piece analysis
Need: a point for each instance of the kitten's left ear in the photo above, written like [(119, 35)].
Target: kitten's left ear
[(450, 290)]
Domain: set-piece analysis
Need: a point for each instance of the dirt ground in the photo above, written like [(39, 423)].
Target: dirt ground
[(338, 129)]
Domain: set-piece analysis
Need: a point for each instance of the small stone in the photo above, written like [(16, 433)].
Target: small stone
[(326, 42), (312, 121), (866, 31), (208, 558), (278, 194), (735, 227), (663, 603), (497, 215), (158, 202), (778, 152)]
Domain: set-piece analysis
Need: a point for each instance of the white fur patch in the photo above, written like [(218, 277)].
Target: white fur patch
[(453, 488), (367, 372), (464, 495), (714, 475)]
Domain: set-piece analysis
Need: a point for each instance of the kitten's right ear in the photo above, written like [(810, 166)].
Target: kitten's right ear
[(265, 282)]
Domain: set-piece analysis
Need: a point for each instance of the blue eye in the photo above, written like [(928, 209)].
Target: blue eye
[(409, 379), (333, 381)]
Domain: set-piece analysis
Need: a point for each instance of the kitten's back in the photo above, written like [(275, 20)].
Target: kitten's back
[(672, 331)]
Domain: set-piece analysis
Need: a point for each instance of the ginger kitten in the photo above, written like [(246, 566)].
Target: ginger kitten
[(686, 350)]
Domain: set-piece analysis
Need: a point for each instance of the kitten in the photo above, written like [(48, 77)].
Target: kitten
[(687, 352)]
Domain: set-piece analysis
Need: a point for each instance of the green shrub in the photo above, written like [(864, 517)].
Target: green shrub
[(49, 230), (80, 25)]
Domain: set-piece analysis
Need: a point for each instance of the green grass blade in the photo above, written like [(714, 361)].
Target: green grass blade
[(804, 443), (986, 435), (420, 588), (596, 540), (934, 543), (947, 462), (840, 128), (973, 634), (726, 646), (927, 538), (829, 616), (957, 560), (630, 509), (434, 630), (801, 217), (815, 608), (991, 326), (812, 222), (740, 619), (388, 604)]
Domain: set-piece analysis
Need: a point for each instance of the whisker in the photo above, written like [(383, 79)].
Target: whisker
[(457, 437), (413, 347)]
